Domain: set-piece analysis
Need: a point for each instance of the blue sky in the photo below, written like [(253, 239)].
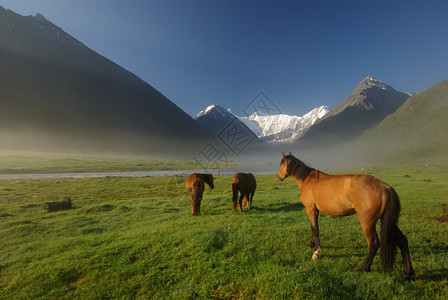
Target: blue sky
[(302, 54)]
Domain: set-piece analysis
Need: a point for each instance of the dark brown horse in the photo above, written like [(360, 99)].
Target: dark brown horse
[(195, 186), (342, 195), (246, 185)]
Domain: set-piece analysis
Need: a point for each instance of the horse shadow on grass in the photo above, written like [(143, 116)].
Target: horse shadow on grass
[(281, 207), (435, 276), (438, 273)]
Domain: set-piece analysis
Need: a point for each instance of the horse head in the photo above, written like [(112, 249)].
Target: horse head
[(209, 180), (284, 164)]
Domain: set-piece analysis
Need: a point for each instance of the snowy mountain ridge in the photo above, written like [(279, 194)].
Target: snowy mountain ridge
[(280, 128), (283, 128)]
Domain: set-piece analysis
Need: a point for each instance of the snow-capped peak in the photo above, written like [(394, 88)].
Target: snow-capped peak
[(280, 128), (205, 111), (214, 108), (372, 81)]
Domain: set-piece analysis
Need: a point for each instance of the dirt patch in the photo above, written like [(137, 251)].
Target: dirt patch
[(286, 263), (444, 217)]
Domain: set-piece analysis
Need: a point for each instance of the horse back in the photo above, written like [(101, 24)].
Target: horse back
[(195, 181), (245, 182), (346, 194), (236, 179)]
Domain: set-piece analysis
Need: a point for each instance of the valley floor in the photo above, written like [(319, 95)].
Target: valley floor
[(135, 238), (12, 162)]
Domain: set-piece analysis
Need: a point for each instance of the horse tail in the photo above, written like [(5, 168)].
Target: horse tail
[(389, 239)]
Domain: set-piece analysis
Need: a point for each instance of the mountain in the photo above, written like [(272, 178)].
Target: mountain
[(418, 129), (279, 128), (215, 118), (282, 128), (232, 136), (57, 94), (367, 105)]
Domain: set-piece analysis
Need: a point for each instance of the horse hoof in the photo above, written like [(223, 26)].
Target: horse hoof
[(316, 254), (407, 275)]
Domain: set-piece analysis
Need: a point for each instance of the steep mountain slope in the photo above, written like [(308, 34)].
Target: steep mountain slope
[(215, 118), (418, 129), (231, 135), (366, 106), (282, 128), (57, 93)]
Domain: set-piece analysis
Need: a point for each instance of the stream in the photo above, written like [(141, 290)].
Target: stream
[(256, 170)]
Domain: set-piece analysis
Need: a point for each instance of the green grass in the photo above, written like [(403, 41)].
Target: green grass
[(135, 238), (28, 162)]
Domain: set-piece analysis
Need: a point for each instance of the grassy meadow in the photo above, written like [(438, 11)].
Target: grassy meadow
[(34, 162), (135, 238)]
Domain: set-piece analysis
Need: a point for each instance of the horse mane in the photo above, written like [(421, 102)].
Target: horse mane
[(208, 178), (297, 168)]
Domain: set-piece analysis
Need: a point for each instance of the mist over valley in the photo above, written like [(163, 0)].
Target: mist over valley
[(57, 95)]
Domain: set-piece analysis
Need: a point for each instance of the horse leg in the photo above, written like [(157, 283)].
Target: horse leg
[(373, 244), (241, 201), (196, 197), (246, 200), (313, 215), (235, 196), (402, 242), (233, 206), (198, 204), (193, 201), (251, 196)]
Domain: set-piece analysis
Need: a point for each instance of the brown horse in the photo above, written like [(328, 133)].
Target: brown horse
[(342, 195), (246, 185), (195, 186)]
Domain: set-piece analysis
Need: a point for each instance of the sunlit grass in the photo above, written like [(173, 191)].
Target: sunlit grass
[(135, 238)]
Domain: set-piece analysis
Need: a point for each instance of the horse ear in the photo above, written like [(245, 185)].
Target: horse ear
[(290, 153), (283, 153)]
